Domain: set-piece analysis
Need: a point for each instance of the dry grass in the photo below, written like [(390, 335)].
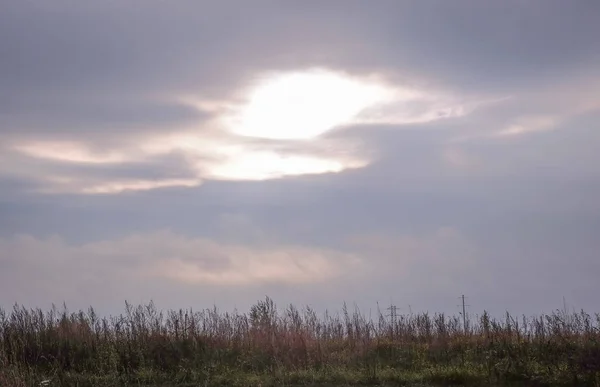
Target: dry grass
[(269, 347)]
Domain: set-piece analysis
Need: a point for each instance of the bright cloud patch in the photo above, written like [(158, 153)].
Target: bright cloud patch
[(303, 105), (528, 125), (275, 130), (138, 185), (228, 159), (269, 165), (306, 104), (94, 186), (73, 152)]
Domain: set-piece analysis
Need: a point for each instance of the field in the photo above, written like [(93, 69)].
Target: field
[(271, 347)]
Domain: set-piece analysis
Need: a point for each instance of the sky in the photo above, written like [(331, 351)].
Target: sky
[(200, 153)]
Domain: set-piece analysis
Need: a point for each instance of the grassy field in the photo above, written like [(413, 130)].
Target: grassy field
[(271, 347)]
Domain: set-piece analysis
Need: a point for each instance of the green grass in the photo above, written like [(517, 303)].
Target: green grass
[(268, 347)]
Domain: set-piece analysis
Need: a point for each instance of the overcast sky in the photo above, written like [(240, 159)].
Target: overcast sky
[(214, 152)]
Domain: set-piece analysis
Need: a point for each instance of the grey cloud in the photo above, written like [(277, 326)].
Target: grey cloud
[(70, 45), (92, 118), (523, 209), (121, 267), (41, 175), (565, 152), (516, 244), (90, 71)]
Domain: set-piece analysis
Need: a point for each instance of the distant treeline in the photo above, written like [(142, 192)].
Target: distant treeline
[(267, 346)]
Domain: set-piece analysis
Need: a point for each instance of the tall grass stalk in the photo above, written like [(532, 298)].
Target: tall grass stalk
[(145, 345)]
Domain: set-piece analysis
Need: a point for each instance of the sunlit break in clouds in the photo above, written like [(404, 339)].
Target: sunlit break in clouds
[(304, 105), (272, 126)]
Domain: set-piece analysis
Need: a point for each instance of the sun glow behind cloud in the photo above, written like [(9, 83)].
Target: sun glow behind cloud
[(264, 165), (304, 105), (225, 159), (273, 128)]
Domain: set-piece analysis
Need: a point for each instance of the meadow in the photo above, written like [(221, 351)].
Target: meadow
[(268, 346)]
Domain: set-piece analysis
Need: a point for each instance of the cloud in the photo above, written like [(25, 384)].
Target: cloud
[(514, 43), (534, 111), (179, 258), (422, 264), (528, 125), (210, 149), (142, 265), (217, 158), (92, 114), (275, 146), (488, 125), (113, 187), (57, 268), (126, 101), (71, 152)]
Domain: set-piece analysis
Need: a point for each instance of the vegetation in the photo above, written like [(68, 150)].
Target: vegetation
[(145, 346)]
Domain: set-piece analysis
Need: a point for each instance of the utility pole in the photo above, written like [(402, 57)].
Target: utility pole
[(464, 313), (393, 315)]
